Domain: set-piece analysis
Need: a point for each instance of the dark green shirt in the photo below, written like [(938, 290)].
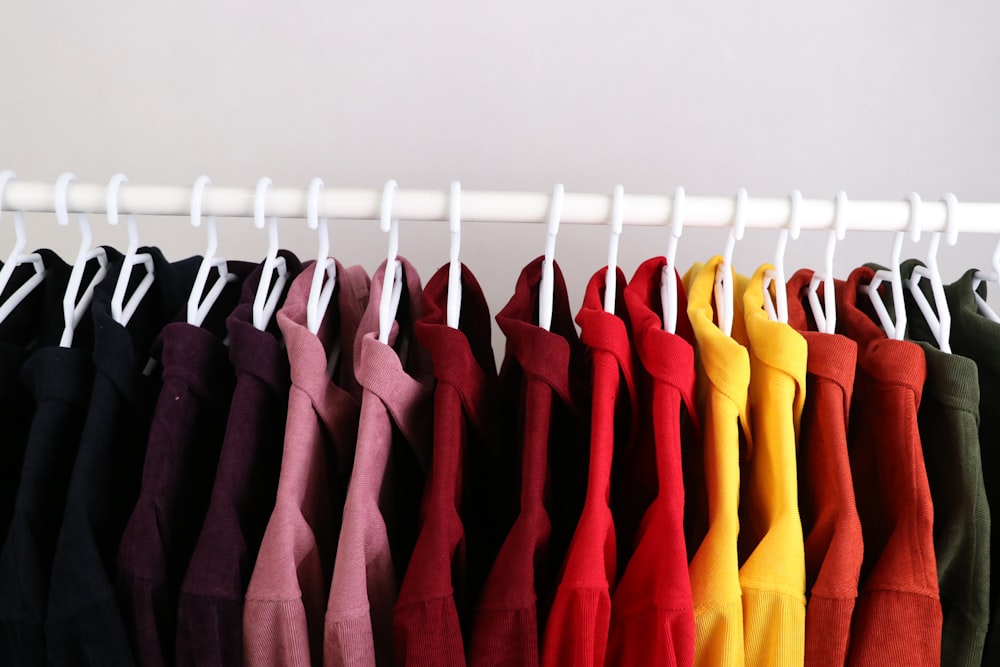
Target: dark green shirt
[(949, 424)]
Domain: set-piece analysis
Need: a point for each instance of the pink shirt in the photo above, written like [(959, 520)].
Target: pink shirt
[(286, 599), (381, 514)]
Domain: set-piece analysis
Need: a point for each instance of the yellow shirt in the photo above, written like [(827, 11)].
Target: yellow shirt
[(723, 370), (773, 576)]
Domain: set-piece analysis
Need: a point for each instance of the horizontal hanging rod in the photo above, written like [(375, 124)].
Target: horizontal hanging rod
[(498, 206)]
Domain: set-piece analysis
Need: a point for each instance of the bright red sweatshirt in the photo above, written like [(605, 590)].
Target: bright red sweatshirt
[(652, 618), (577, 630)]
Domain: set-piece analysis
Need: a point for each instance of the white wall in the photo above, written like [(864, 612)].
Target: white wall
[(875, 98)]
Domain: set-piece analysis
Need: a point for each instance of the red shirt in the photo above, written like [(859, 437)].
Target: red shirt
[(432, 608), (577, 629), (544, 405), (830, 524), (897, 619), (652, 619)]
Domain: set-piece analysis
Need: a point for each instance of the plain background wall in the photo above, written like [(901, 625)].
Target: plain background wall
[(875, 98)]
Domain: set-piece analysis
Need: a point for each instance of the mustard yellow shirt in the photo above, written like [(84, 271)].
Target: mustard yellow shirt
[(723, 370), (773, 575)]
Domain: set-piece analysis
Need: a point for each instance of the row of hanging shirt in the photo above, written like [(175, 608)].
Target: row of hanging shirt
[(259, 503)]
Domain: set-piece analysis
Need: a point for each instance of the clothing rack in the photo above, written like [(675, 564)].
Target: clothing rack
[(499, 206)]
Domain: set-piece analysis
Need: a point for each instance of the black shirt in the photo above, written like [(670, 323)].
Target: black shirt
[(36, 319), (58, 380), (84, 625)]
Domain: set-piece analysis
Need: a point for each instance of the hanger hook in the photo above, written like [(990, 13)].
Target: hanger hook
[(840, 216), (391, 282), (455, 208), (836, 234), (555, 210), (737, 227), (6, 176), (259, 198), (676, 225), (62, 194), (312, 202), (546, 285), (677, 214), (794, 219), (454, 309), (739, 214), (316, 185), (197, 193), (388, 194), (617, 210), (611, 276), (915, 221), (114, 185), (951, 218)]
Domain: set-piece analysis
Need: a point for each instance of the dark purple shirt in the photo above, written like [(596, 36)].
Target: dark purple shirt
[(210, 612), (182, 453)]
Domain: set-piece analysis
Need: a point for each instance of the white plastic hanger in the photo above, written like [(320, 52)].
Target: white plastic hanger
[(120, 311), (611, 278), (778, 309), (17, 258), (894, 329), (979, 277), (724, 306), (392, 281), (320, 292), (455, 266), (668, 278), (266, 300), (826, 315), (198, 307), (547, 284), (73, 308), (939, 322)]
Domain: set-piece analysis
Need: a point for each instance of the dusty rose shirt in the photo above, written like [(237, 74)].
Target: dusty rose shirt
[(381, 512), (286, 599)]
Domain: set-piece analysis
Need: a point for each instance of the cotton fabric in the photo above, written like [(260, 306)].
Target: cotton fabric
[(210, 611), (286, 597), (543, 395), (383, 499), (577, 629), (652, 618), (723, 381), (897, 618), (834, 547)]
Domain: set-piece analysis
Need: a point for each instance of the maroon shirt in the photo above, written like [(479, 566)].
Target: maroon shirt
[(545, 414), (210, 612), (432, 612)]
